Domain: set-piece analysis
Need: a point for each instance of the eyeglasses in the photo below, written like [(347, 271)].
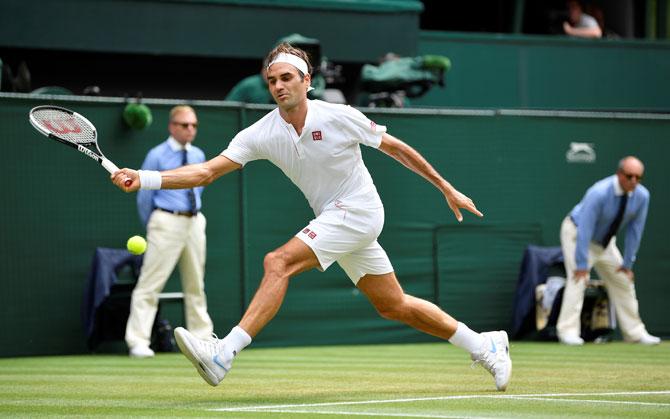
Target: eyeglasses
[(631, 176), (185, 125)]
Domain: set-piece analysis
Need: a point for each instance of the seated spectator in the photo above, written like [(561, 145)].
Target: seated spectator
[(579, 23)]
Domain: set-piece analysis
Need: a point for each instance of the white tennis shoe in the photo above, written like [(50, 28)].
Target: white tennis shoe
[(571, 340), (494, 357), (648, 339), (208, 356), (141, 351)]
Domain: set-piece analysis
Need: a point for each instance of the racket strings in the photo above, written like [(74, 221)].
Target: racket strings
[(65, 126)]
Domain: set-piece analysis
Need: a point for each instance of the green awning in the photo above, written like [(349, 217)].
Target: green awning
[(349, 30)]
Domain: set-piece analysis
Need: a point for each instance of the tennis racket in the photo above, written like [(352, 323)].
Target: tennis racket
[(70, 128)]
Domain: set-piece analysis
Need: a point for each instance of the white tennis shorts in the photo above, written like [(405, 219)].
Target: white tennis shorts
[(348, 236)]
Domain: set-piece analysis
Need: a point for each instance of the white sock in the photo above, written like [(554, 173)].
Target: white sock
[(236, 340), (466, 339)]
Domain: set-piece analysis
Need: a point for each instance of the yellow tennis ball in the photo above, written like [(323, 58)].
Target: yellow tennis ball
[(136, 245)]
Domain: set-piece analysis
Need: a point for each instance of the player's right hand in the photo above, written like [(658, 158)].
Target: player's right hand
[(120, 178)]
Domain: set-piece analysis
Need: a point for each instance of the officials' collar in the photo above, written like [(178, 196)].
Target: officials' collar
[(618, 190), (176, 145)]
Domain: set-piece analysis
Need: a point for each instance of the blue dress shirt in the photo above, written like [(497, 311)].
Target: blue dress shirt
[(596, 211), (165, 156)]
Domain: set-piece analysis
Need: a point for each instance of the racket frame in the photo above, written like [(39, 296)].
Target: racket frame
[(82, 147)]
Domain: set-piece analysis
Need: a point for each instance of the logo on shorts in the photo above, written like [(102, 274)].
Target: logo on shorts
[(373, 125), (309, 233), (316, 136)]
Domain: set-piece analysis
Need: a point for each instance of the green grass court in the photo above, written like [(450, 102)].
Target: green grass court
[(414, 380)]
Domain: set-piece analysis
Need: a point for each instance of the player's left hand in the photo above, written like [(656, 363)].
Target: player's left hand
[(457, 200), (119, 179)]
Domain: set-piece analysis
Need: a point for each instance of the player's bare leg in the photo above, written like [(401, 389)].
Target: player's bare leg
[(391, 302), (490, 349), (280, 265), (213, 357)]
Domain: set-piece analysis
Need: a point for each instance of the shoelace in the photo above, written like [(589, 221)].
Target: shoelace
[(213, 344), (486, 359)]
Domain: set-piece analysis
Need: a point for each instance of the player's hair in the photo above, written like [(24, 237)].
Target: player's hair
[(289, 49), (179, 109)]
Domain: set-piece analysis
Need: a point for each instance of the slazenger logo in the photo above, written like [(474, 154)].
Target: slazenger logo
[(88, 152), (581, 153)]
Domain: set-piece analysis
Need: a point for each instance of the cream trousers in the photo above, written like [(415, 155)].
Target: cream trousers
[(620, 289), (171, 239)]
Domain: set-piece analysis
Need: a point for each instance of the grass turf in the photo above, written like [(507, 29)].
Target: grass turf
[(413, 380)]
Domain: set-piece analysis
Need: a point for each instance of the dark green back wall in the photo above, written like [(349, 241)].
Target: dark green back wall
[(219, 28), (549, 72), (59, 206)]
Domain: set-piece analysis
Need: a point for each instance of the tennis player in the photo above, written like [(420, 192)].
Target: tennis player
[(317, 145)]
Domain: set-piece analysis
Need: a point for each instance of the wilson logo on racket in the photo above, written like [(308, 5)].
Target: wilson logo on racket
[(88, 152), (73, 128)]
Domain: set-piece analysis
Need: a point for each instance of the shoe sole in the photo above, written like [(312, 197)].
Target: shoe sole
[(509, 357), (140, 356), (187, 349), (571, 342)]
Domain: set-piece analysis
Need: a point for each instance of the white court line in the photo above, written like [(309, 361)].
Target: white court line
[(548, 399), (378, 414), (416, 399)]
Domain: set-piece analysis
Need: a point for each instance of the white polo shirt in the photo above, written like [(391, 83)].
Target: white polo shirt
[(325, 161)]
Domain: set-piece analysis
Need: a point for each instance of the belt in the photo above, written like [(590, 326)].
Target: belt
[(182, 213)]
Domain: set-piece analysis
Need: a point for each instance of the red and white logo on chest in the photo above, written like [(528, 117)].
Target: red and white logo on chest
[(316, 136)]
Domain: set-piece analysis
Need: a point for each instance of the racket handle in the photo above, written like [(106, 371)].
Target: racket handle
[(111, 168)]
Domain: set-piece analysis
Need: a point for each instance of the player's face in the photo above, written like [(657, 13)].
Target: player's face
[(285, 85), (184, 126)]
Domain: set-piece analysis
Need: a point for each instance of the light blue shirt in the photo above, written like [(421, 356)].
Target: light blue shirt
[(165, 156), (596, 211)]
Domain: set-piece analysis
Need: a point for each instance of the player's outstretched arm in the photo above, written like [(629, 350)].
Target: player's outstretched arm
[(190, 176), (414, 161)]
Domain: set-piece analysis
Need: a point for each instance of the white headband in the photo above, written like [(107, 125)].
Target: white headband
[(294, 60)]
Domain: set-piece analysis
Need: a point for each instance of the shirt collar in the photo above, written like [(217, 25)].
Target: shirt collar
[(618, 190), (308, 117), (176, 146), (288, 125)]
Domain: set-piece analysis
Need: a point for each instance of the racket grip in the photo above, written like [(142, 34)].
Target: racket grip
[(111, 168)]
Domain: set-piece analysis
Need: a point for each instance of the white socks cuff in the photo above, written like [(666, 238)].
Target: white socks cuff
[(237, 339), (465, 338)]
